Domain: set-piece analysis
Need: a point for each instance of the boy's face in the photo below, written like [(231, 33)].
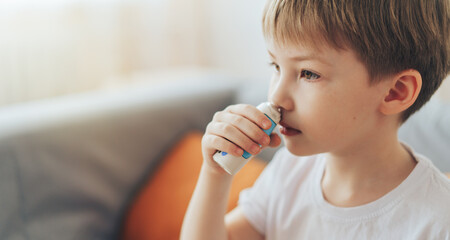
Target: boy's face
[(326, 100)]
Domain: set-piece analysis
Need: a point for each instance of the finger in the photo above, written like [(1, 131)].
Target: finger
[(221, 144), (234, 135), (275, 140), (247, 127), (251, 113)]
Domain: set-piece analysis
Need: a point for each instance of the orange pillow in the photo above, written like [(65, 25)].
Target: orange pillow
[(158, 211)]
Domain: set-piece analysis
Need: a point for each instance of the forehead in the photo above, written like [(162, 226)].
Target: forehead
[(326, 55), (298, 52)]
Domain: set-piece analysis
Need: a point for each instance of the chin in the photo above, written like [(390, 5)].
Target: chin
[(300, 151)]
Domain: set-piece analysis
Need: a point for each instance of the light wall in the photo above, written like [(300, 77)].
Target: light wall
[(57, 47)]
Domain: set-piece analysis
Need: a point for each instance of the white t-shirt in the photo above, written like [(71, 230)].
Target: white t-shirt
[(286, 202)]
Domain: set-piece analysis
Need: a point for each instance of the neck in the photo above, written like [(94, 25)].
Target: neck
[(377, 166)]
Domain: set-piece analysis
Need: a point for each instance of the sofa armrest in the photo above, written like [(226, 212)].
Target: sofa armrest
[(70, 165)]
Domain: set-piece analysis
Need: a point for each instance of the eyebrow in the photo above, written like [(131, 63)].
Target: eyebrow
[(304, 58)]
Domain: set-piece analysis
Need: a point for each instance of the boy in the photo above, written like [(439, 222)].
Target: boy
[(347, 74)]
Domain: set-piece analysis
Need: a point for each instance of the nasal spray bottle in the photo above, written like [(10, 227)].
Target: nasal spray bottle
[(232, 164)]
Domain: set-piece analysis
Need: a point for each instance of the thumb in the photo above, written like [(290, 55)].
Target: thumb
[(275, 140)]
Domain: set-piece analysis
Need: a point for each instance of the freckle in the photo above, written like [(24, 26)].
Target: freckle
[(354, 118)]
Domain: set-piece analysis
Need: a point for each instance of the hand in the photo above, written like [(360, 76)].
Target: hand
[(235, 129)]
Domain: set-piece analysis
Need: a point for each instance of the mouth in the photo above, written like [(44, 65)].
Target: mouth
[(286, 130)]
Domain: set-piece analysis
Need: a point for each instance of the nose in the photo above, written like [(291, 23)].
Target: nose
[(280, 93)]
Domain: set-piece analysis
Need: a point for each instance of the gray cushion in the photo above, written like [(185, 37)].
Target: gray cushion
[(69, 166)]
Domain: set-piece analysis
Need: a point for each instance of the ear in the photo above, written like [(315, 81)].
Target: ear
[(402, 92)]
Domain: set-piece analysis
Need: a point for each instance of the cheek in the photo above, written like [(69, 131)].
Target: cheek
[(334, 114), (355, 111), (272, 85), (318, 105)]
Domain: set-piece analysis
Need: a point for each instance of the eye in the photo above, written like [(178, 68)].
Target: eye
[(308, 75), (275, 66)]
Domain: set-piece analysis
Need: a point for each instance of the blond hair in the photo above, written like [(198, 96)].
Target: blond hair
[(388, 36)]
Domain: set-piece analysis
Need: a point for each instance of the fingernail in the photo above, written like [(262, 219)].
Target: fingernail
[(267, 124), (239, 151), (255, 149), (266, 140)]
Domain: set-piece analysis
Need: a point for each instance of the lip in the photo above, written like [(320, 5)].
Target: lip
[(287, 130)]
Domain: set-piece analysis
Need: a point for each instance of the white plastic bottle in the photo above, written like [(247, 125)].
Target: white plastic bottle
[(232, 164)]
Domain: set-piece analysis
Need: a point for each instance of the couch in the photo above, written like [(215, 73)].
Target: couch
[(71, 167)]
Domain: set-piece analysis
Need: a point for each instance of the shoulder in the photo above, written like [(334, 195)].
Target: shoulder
[(432, 196), (424, 206), (436, 181), (438, 195), (431, 178)]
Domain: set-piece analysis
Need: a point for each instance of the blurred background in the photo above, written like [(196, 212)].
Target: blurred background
[(57, 47), (94, 94)]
